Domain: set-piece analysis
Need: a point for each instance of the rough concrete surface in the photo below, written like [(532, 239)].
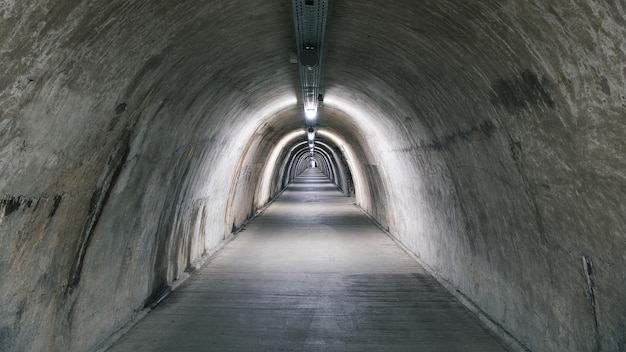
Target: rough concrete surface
[(310, 274), (486, 136)]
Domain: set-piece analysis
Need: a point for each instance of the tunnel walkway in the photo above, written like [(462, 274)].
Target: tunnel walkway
[(312, 273)]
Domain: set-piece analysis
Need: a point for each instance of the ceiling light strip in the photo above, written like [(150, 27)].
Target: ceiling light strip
[(310, 18)]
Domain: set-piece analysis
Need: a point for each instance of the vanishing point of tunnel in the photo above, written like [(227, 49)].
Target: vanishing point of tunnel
[(483, 142)]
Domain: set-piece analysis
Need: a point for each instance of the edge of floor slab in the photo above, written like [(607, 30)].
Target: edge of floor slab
[(135, 319), (197, 265), (259, 212), (491, 325)]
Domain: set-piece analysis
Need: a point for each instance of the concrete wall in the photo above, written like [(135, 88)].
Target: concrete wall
[(486, 135), (121, 128), (505, 155)]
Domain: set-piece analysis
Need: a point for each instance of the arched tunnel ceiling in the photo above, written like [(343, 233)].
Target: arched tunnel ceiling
[(486, 136)]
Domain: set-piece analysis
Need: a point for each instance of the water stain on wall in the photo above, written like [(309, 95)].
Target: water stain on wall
[(521, 92)]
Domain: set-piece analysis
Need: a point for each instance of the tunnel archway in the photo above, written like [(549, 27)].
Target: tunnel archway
[(486, 137), (326, 159), (276, 154)]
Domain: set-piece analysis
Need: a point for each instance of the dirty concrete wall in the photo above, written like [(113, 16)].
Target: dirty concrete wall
[(487, 135), (508, 157), (120, 128)]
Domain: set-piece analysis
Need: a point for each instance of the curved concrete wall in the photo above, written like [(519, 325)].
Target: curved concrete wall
[(505, 152), (329, 160), (487, 136)]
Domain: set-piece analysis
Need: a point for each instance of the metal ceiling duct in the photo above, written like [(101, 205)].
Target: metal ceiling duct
[(309, 18)]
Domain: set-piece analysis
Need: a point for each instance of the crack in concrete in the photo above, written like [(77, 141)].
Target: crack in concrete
[(591, 291), (116, 163)]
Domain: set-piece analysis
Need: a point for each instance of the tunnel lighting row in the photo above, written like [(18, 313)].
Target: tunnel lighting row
[(311, 112), (311, 139), (309, 18)]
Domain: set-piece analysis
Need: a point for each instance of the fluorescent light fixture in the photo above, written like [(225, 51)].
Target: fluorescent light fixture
[(311, 133), (310, 110), (310, 113)]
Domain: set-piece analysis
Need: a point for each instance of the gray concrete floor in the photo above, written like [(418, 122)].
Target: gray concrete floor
[(310, 274)]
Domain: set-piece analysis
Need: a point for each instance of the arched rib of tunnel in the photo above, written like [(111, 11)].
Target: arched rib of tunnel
[(326, 157), (486, 136)]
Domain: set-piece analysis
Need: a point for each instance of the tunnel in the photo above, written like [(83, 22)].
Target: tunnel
[(487, 138)]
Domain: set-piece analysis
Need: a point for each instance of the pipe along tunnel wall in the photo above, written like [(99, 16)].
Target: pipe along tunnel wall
[(487, 136)]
